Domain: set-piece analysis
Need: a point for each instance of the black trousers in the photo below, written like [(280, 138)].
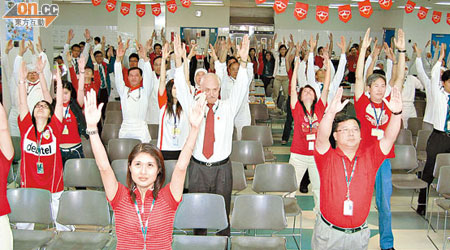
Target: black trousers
[(266, 81), (351, 77), (171, 155), (214, 180), (437, 143), (103, 97), (288, 123)]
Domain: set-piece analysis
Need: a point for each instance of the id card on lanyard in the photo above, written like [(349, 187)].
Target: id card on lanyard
[(379, 133), (348, 203), (66, 130), (39, 164), (311, 137), (141, 224)]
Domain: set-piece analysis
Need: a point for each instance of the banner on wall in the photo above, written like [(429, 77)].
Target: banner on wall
[(186, 3), (125, 8), (301, 10), (110, 5), (422, 13), (365, 8), (172, 6), (280, 6), (322, 13), (156, 9), (140, 10), (260, 1), (385, 4), (345, 13), (96, 2), (448, 18), (409, 7), (436, 18)]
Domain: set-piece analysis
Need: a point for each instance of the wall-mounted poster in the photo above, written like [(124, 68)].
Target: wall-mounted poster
[(20, 30)]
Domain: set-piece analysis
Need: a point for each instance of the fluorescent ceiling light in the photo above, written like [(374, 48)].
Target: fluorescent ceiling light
[(442, 3), (208, 2), (336, 5), (417, 7)]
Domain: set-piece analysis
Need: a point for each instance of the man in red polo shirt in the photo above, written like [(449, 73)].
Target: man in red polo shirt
[(347, 175)]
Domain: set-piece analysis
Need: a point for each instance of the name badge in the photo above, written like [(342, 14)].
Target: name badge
[(378, 133), (176, 131), (311, 145), (40, 167), (65, 130), (311, 137), (348, 207)]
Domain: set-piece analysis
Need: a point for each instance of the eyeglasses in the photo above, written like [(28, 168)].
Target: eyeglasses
[(348, 130), (42, 106)]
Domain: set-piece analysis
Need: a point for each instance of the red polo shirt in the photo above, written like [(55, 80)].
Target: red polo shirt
[(365, 112), (302, 127), (160, 225), (333, 187), (70, 132), (87, 86), (318, 61), (352, 60), (5, 164)]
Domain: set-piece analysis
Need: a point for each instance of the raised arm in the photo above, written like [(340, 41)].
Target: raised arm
[(179, 173), (294, 95), (326, 124), (391, 132), (359, 82), (93, 114), (70, 36), (183, 93), (118, 70), (6, 145), (23, 102), (80, 91), (373, 61), (401, 46), (421, 74), (310, 74), (326, 82), (240, 88), (59, 96), (162, 77), (337, 79), (40, 70)]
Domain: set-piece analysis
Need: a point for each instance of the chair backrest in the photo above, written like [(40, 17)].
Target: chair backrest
[(420, 107), (113, 117), (247, 152), (442, 159), (110, 131), (121, 148), (427, 126), (120, 170), (259, 111), (201, 211), (443, 184), (404, 137), (153, 130), (258, 212), (17, 150), (405, 157), (87, 149), (422, 139), (30, 205), (415, 124), (275, 177), (235, 138), (113, 106), (83, 207), (262, 134), (169, 165), (239, 180), (82, 173)]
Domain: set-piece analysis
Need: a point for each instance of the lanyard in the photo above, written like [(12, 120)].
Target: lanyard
[(378, 118), (67, 112), (144, 230), (132, 97), (348, 181), (310, 120), (39, 145)]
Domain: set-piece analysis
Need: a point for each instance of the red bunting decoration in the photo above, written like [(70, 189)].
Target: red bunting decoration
[(96, 2), (409, 7), (140, 10), (322, 13), (345, 13), (156, 9), (125, 8), (301, 10), (172, 6), (365, 8), (448, 18), (280, 6), (422, 13), (111, 5), (260, 1), (186, 3), (436, 16), (385, 4)]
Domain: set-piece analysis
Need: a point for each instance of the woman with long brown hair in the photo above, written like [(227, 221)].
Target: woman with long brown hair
[(144, 210)]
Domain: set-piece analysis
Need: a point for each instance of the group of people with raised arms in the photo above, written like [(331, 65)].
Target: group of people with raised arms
[(196, 122)]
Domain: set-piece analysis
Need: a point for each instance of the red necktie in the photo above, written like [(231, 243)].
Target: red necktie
[(208, 140)]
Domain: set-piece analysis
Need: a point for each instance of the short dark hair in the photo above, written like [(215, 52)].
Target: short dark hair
[(342, 118), (75, 46), (58, 58), (82, 43), (446, 75), (97, 39), (135, 68), (319, 49), (380, 72), (133, 55), (372, 78), (157, 44), (98, 52)]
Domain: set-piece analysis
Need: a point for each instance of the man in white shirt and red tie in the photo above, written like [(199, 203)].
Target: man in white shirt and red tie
[(210, 168)]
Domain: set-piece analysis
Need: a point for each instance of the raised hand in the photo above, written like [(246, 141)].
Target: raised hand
[(400, 40), (70, 36), (31, 47), (87, 35), (9, 46), (244, 48), (196, 113), (395, 104), (22, 48), (417, 50), (40, 64), (39, 45), (312, 43), (428, 43), (178, 47), (91, 111), (120, 51), (342, 45), (81, 63), (193, 51), (212, 53), (69, 58), (442, 54), (366, 40), (165, 52), (336, 104)]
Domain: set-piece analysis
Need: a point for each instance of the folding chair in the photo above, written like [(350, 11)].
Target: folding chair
[(121, 148), (82, 173), (262, 134), (404, 137), (249, 153), (239, 181), (120, 167)]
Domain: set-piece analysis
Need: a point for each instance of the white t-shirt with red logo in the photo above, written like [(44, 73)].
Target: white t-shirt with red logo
[(49, 174)]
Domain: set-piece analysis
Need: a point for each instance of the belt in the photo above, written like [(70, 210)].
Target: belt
[(345, 230), (441, 132), (71, 148), (211, 164)]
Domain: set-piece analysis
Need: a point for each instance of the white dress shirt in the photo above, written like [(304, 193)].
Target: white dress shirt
[(440, 98), (426, 82), (280, 68), (224, 114), (85, 53)]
